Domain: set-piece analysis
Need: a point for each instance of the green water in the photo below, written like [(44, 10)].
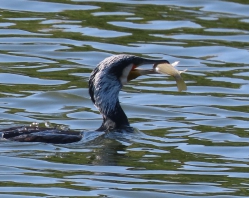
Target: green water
[(189, 144)]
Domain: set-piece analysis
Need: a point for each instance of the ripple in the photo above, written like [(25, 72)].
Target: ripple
[(6, 78), (44, 191), (220, 137), (16, 32), (6, 25), (58, 21), (112, 13), (234, 38), (39, 6), (232, 8), (40, 40), (92, 31), (231, 152), (25, 19), (4, 58), (156, 25)]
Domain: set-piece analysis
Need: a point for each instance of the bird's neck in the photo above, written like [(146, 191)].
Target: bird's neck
[(105, 98), (114, 120)]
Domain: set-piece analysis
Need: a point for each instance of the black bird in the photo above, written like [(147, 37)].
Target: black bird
[(105, 82)]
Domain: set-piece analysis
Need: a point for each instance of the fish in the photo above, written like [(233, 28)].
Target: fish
[(166, 68)]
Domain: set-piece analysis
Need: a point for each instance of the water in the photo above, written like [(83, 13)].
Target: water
[(188, 144)]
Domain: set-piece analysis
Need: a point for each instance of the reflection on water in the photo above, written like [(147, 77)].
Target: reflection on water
[(188, 144)]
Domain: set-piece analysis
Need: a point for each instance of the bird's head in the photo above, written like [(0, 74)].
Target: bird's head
[(106, 81)]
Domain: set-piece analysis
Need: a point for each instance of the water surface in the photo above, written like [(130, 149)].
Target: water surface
[(188, 144)]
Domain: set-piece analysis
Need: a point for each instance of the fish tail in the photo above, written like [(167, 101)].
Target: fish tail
[(180, 83)]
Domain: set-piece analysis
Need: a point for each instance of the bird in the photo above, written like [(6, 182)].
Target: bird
[(105, 83)]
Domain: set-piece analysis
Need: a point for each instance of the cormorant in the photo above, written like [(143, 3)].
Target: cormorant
[(105, 82)]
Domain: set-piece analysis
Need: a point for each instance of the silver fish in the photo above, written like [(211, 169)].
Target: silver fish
[(170, 69)]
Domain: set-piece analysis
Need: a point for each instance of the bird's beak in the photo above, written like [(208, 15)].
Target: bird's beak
[(136, 72)]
